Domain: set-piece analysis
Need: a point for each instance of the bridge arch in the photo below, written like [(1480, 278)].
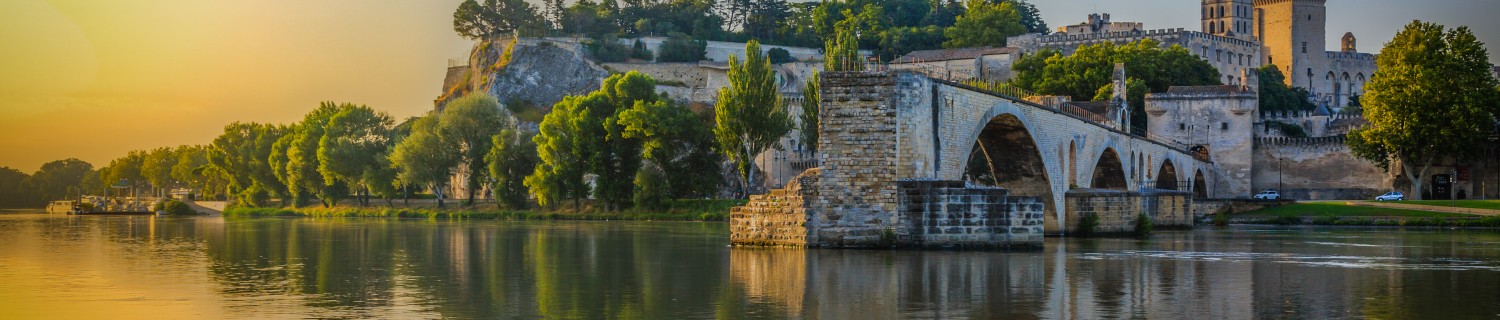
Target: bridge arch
[(1166, 177), (1007, 154), (1109, 172)]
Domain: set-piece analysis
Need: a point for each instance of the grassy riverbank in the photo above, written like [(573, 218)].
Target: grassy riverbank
[(1473, 204), (681, 210), (1334, 213)]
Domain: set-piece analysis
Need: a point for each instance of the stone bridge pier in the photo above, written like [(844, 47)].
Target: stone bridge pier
[(908, 160)]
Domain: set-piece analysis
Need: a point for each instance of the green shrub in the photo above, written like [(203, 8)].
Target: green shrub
[(1221, 219), (651, 188), (1087, 223), (779, 56), (682, 48), (639, 51), (174, 207), (607, 49), (1143, 225)]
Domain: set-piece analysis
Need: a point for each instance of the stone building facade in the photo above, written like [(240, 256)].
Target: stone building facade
[(1237, 35)]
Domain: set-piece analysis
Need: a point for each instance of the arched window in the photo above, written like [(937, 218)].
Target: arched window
[(1221, 11)]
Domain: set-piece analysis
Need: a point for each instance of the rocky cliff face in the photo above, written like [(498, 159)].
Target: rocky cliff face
[(529, 71)]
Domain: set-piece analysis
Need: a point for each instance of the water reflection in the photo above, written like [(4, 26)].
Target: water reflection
[(368, 268)]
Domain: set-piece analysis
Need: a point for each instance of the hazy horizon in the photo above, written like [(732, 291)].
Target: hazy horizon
[(93, 80)]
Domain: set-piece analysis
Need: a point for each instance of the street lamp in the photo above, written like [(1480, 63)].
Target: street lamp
[(1278, 174)]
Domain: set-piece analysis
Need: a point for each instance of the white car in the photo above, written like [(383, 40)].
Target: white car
[(1391, 196), (1268, 195)]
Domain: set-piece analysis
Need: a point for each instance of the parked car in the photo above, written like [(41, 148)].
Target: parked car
[(1391, 196), (1268, 195)]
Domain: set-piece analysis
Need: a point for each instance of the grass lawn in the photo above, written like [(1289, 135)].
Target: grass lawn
[(1475, 204), (1331, 209)]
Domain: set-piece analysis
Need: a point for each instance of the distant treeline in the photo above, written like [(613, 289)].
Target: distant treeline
[(890, 28)]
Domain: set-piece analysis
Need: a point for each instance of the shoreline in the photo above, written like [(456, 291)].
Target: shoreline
[(717, 212)]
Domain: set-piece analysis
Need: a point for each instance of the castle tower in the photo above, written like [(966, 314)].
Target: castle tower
[(1292, 32), (1348, 43), (1229, 18)]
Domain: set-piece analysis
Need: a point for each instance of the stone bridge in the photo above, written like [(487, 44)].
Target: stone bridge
[(910, 160)]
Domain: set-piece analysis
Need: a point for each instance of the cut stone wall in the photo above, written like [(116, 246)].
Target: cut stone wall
[(950, 214), (1320, 168), (1118, 210)]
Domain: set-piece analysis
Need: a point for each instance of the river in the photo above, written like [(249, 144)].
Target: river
[(54, 266)]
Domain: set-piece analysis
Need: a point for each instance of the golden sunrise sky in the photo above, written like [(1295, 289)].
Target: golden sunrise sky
[(95, 79)]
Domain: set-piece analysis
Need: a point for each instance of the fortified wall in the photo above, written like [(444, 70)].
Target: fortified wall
[(1320, 168)]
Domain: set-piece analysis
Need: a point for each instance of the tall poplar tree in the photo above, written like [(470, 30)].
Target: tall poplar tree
[(749, 112)]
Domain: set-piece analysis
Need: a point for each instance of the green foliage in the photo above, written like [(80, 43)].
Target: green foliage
[(1143, 225), (58, 180), (749, 114), (425, 158), (1082, 74), (1087, 224), (677, 142), (639, 51), (14, 191), (354, 148), (469, 125), (1275, 95), (495, 18), (780, 56), (899, 41), (512, 156), (651, 188), (682, 48), (812, 101), (985, 24), (841, 52), (1433, 98), (175, 208), (583, 135), (608, 49), (1135, 96), (242, 156), (1288, 129)]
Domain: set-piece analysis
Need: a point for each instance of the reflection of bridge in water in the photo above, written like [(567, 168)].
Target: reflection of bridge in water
[(891, 143)]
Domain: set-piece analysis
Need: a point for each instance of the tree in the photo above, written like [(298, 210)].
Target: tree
[(1275, 95), (156, 167), (780, 56), (470, 124), (680, 47), (811, 101), (59, 179), (841, 52), (241, 156), (511, 158), (749, 112), (351, 149), (1433, 98), (1030, 16), (896, 42), (984, 25), (559, 172), (13, 190), (494, 18), (676, 143), (425, 158), (1091, 67), (582, 135), (302, 177)]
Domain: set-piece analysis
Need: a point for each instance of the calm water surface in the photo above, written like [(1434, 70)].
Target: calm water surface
[(55, 266)]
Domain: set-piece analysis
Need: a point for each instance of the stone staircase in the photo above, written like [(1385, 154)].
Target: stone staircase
[(777, 218)]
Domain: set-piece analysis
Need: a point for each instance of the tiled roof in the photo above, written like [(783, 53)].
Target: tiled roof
[(951, 54)]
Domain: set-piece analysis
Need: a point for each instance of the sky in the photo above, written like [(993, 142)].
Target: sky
[(94, 79)]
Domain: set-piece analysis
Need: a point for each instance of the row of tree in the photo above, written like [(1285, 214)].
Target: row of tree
[(890, 28)]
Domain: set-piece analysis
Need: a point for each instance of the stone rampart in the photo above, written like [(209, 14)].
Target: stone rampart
[(778, 218)]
